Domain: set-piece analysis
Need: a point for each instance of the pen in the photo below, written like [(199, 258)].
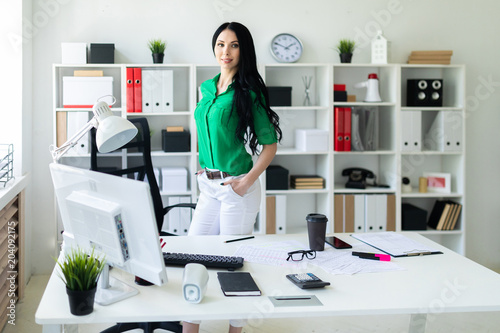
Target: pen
[(292, 298), (372, 256), (239, 239)]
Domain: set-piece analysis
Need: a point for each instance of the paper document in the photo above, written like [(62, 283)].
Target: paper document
[(395, 244), (331, 260)]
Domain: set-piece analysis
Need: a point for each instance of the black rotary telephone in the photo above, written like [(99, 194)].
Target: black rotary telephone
[(358, 176)]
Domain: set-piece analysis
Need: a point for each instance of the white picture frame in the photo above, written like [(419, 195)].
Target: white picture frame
[(438, 182)]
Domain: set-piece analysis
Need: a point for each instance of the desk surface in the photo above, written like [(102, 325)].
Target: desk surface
[(429, 284)]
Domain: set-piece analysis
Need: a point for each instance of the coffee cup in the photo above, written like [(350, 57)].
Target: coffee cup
[(316, 229)]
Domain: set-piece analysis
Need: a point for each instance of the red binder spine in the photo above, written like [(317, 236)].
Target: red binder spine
[(338, 129), (347, 129), (138, 89), (130, 89)]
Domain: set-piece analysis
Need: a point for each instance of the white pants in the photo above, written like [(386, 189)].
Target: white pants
[(220, 211)]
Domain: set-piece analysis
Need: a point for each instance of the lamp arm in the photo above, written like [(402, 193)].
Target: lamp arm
[(58, 152)]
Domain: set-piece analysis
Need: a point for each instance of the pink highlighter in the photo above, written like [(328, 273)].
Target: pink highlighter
[(372, 256)]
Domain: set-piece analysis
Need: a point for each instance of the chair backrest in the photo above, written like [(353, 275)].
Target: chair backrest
[(139, 168)]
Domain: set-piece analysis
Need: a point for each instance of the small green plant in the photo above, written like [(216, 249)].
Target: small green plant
[(79, 270), (157, 46), (346, 46)]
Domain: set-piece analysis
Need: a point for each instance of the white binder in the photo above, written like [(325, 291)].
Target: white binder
[(370, 213), (359, 213), (185, 215), (281, 214), (381, 214), (411, 130), (446, 132), (167, 91), (76, 120), (177, 220), (172, 220), (149, 84)]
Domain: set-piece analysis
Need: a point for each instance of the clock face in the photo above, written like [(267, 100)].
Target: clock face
[(286, 48)]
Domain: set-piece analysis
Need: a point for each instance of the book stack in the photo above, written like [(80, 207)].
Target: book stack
[(430, 57), (444, 215), (307, 182)]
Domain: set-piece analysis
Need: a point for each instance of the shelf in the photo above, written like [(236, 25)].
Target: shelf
[(294, 151), (431, 152), (158, 114), (300, 108), (363, 104), (440, 108), (389, 162), (371, 152), (417, 195), (340, 188), (294, 191), (117, 109)]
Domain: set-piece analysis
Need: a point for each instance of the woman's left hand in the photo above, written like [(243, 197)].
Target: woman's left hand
[(239, 185)]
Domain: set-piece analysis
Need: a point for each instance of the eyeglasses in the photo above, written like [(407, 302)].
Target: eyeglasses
[(300, 254)]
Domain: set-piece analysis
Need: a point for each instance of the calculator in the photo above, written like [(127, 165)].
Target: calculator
[(307, 280)]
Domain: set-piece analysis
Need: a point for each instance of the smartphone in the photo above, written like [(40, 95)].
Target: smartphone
[(337, 243)]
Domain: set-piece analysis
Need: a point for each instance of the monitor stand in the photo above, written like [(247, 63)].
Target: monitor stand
[(111, 290)]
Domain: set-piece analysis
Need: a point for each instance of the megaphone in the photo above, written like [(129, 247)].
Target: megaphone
[(372, 94)]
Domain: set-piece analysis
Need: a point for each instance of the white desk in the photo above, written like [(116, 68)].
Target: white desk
[(430, 284)]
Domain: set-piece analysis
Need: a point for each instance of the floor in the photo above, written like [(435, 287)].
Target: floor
[(436, 323)]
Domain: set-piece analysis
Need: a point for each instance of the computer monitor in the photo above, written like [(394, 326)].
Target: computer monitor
[(114, 216)]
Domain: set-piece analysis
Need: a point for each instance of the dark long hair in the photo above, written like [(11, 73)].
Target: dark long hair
[(245, 80)]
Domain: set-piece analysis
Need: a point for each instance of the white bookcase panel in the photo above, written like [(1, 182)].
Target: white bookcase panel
[(389, 162)]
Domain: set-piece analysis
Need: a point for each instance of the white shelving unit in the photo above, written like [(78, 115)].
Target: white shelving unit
[(388, 162)]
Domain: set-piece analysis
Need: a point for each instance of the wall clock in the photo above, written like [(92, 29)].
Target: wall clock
[(286, 48)]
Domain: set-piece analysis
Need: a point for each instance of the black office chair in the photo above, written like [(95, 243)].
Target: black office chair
[(139, 170)]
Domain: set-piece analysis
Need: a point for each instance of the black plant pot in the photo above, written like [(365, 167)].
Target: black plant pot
[(158, 58), (345, 58), (81, 303)]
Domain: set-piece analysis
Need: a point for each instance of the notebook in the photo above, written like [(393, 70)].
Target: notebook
[(238, 284)]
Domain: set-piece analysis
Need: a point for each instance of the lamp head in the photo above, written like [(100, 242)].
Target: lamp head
[(112, 131)]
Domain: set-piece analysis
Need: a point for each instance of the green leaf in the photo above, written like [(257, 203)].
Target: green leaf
[(80, 270)]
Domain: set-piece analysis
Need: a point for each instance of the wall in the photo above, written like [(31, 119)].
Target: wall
[(469, 29), (16, 97)]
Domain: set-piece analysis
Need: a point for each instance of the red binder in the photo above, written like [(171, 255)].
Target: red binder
[(130, 89), (138, 89), (338, 129), (347, 129)]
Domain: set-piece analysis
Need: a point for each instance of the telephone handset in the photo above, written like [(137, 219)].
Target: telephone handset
[(357, 177)]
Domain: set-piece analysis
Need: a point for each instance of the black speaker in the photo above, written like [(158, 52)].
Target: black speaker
[(424, 92)]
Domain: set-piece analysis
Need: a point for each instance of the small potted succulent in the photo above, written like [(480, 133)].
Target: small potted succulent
[(345, 48), (157, 47), (80, 272)]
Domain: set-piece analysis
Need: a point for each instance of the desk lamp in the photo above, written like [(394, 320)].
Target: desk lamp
[(112, 131)]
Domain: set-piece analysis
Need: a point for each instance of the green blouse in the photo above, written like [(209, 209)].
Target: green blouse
[(216, 128)]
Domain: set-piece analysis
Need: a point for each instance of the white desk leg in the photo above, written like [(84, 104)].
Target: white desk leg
[(52, 329), (70, 329), (417, 323)]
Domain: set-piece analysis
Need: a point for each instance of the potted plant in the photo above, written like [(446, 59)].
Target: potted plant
[(345, 48), (157, 47), (80, 272)]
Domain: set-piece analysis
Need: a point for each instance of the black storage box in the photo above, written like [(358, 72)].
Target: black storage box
[(276, 178), (413, 218), (280, 96), (102, 54), (175, 141), (340, 96)]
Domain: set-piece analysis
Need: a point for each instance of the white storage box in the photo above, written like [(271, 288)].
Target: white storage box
[(311, 139), (174, 180), (74, 53), (83, 92)]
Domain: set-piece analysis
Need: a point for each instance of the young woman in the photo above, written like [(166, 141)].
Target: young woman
[(232, 114)]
